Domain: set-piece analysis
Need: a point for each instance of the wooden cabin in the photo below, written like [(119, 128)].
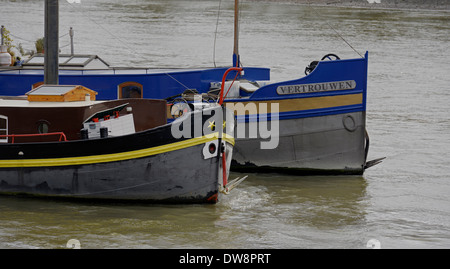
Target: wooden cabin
[(61, 93), (21, 116)]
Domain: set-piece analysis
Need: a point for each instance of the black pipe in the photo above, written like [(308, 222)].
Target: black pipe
[(51, 42)]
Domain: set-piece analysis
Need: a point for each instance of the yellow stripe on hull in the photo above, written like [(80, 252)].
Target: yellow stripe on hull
[(296, 104), (115, 156)]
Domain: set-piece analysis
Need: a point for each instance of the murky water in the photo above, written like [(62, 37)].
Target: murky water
[(402, 203)]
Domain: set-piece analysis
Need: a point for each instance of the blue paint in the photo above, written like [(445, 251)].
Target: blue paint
[(159, 84)]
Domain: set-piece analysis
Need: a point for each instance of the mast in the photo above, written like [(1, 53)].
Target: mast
[(236, 59), (51, 42)]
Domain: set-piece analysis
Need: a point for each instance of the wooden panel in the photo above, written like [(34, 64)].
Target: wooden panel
[(77, 93)]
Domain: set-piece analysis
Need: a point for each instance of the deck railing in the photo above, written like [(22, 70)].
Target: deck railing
[(62, 136)]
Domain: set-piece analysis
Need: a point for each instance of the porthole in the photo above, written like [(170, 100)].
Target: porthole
[(349, 123), (43, 127)]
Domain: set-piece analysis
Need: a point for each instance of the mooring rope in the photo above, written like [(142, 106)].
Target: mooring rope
[(337, 33)]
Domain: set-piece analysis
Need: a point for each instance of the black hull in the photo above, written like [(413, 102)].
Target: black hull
[(150, 179), (149, 166)]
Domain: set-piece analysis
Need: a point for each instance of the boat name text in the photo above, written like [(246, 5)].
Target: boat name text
[(317, 87)]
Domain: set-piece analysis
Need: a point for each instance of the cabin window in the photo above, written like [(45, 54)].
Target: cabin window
[(130, 90), (43, 126), (3, 128)]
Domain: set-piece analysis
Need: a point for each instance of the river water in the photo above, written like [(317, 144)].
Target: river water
[(401, 203)]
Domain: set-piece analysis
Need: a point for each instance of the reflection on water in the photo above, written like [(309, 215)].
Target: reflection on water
[(263, 212), (315, 201), (286, 212)]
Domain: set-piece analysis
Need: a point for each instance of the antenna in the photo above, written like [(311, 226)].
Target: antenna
[(71, 40), (236, 60)]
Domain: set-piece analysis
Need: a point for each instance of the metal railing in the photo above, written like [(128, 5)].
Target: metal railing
[(62, 136)]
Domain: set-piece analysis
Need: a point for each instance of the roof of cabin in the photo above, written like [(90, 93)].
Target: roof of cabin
[(83, 61)]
